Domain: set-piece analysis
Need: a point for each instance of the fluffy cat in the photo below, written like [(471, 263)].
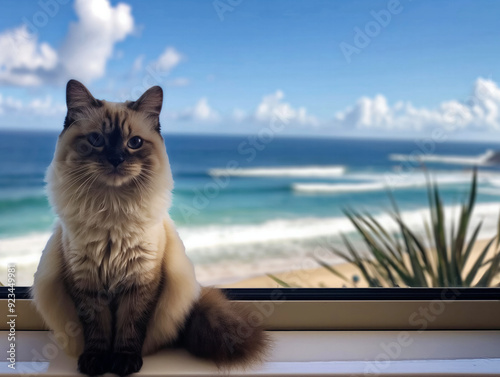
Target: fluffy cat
[(114, 282)]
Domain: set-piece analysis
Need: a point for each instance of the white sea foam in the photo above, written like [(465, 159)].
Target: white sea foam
[(489, 191), (289, 171), (481, 159), (343, 187), (222, 255), (23, 249), (210, 237), (24, 252), (494, 181), (379, 182), (227, 253)]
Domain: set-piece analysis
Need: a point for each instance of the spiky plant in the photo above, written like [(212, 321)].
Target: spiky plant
[(402, 259)]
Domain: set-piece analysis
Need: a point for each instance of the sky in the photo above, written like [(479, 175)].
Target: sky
[(392, 68)]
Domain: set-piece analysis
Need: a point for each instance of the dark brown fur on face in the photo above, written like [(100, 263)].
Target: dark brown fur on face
[(115, 262)]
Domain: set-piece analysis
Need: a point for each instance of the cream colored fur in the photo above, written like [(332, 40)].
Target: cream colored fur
[(142, 234)]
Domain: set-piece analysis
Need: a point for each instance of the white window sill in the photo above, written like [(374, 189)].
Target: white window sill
[(315, 353)]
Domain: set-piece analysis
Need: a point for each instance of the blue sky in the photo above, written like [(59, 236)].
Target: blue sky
[(231, 66)]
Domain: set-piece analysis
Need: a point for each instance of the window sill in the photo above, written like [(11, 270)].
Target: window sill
[(321, 353)]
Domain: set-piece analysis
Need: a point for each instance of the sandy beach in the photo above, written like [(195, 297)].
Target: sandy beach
[(322, 278)]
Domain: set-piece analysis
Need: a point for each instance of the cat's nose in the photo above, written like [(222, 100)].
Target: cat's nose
[(116, 160)]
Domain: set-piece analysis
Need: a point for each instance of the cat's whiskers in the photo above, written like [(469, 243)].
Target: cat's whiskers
[(115, 236), (78, 191), (148, 174), (76, 175), (74, 179), (144, 183), (75, 172), (139, 188), (90, 186), (144, 189), (76, 183)]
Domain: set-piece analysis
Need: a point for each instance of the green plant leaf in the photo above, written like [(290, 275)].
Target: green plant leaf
[(331, 269), (402, 258), (471, 244), (477, 265), (279, 281), (490, 273)]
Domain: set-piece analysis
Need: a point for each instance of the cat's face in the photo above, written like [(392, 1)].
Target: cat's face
[(111, 144)]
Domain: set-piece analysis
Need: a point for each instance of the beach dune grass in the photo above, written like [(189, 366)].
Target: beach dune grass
[(404, 258)]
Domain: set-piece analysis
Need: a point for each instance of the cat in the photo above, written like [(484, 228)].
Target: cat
[(114, 282)]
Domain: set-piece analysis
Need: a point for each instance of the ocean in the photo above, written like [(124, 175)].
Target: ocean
[(246, 206)]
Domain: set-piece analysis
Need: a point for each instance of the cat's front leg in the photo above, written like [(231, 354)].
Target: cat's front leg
[(95, 316), (133, 312)]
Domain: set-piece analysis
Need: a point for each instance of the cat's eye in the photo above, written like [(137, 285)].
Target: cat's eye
[(135, 142), (95, 139)]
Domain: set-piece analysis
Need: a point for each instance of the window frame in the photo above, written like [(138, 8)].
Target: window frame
[(412, 309)]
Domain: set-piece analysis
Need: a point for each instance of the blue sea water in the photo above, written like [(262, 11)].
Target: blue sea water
[(247, 206)]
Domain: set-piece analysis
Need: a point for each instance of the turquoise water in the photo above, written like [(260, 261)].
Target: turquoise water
[(278, 198)]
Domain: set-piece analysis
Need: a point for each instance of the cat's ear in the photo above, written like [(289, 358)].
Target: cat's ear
[(78, 97), (150, 102)]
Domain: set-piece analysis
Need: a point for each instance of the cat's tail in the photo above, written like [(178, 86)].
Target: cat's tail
[(222, 331)]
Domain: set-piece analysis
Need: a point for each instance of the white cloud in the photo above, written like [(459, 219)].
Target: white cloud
[(168, 60), (9, 104), (481, 110), (138, 63), (239, 115), (157, 71), (179, 82), (485, 103), (201, 112), (267, 110), (84, 53), (46, 107), (90, 41), (272, 106), (23, 59), (37, 107)]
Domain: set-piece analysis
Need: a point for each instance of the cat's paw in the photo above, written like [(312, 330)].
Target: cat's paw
[(123, 363), (93, 363)]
